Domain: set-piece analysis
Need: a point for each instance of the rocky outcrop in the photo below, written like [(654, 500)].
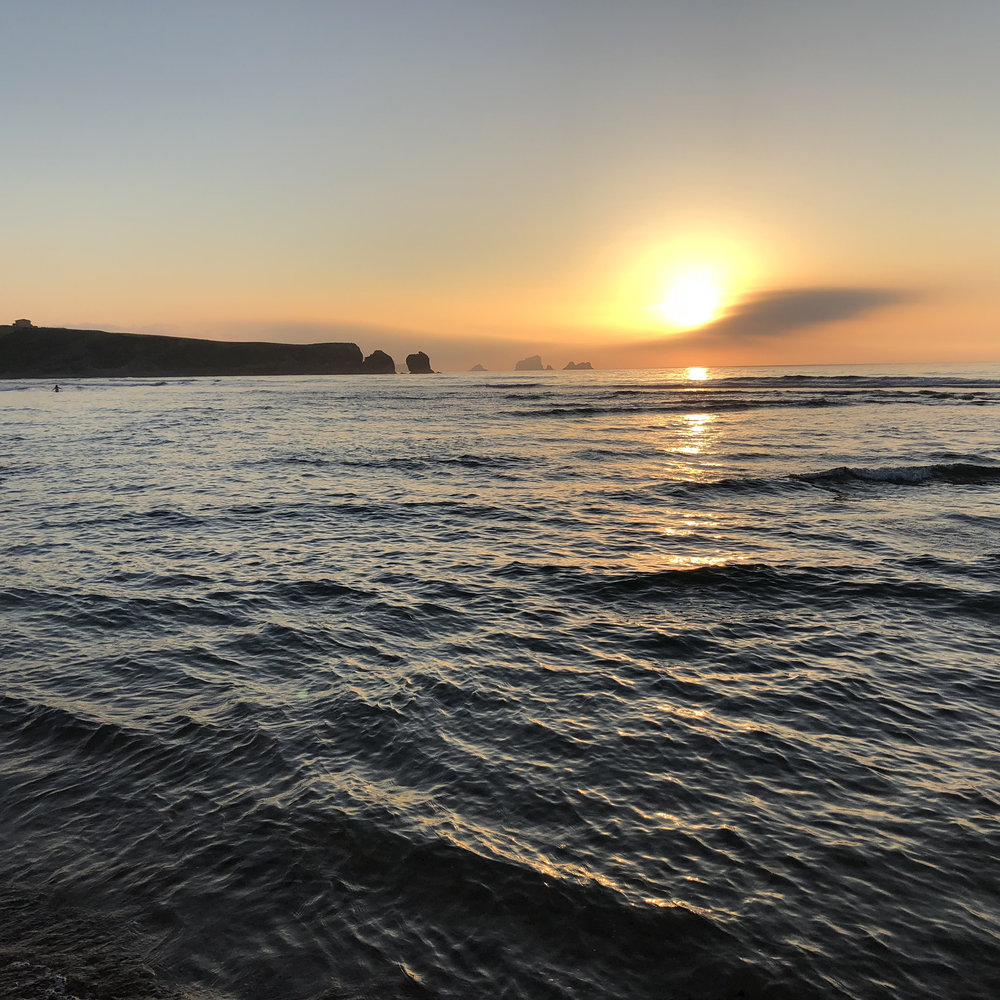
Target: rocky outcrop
[(579, 366), (532, 364), (419, 364), (478, 368), (378, 363), (53, 352)]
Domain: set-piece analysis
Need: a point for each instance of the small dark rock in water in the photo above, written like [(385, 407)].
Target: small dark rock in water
[(378, 363), (478, 368), (532, 364), (579, 366), (419, 364)]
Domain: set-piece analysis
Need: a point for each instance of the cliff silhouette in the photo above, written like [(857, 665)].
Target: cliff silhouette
[(54, 352)]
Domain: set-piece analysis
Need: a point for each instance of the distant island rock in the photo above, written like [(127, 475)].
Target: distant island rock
[(579, 366), (532, 364), (419, 364), (28, 351), (478, 368)]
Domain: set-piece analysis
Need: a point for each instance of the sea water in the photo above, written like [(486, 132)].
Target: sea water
[(539, 685)]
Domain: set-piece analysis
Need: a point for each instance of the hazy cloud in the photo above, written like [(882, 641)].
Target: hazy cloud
[(446, 353), (785, 311), (294, 332)]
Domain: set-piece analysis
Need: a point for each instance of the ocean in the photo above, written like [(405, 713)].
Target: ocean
[(612, 685)]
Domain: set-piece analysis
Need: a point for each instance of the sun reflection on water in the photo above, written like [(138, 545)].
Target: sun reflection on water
[(699, 562), (695, 434)]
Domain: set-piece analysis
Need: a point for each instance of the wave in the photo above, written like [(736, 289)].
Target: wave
[(698, 404), (686, 401), (101, 612), (966, 473), (402, 463), (348, 827), (982, 381), (865, 381), (956, 473), (436, 461), (757, 583), (510, 385)]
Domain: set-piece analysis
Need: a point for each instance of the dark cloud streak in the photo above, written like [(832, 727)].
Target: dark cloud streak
[(786, 311)]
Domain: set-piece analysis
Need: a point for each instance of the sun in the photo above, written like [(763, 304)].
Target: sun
[(693, 298)]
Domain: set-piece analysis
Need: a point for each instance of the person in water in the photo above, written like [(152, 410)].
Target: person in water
[(55, 388)]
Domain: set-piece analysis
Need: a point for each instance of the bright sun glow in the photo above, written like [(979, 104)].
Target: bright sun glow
[(694, 298)]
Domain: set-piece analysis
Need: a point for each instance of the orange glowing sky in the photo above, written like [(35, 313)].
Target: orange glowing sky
[(634, 184)]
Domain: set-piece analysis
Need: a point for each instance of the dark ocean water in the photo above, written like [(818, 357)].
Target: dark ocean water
[(557, 685)]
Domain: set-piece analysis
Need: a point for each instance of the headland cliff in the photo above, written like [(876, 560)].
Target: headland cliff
[(54, 352)]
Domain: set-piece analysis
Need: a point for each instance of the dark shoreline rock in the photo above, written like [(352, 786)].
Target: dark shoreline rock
[(55, 352)]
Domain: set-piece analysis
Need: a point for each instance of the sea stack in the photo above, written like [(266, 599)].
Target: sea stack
[(378, 363), (532, 364), (419, 364)]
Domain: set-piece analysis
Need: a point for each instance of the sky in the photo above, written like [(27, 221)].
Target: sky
[(636, 184)]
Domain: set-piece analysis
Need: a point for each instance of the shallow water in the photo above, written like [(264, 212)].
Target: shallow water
[(554, 685)]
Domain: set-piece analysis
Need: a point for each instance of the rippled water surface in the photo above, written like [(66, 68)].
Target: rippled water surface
[(554, 685)]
